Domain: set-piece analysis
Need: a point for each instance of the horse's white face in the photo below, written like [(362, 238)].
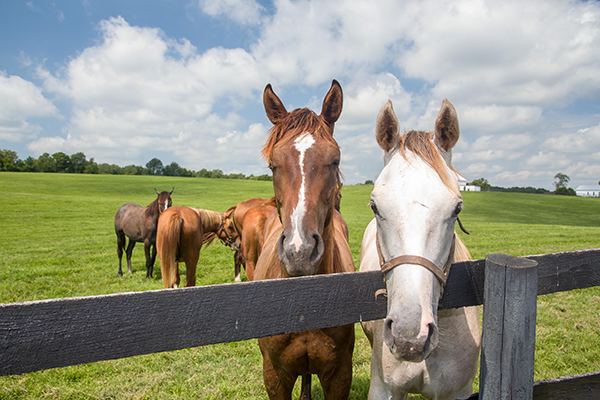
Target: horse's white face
[(415, 212)]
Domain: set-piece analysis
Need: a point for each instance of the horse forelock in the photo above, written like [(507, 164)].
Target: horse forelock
[(296, 123), (421, 144)]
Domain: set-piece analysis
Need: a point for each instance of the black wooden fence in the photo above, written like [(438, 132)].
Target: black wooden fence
[(56, 333)]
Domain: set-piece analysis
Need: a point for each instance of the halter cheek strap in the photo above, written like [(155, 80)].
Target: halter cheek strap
[(440, 273)]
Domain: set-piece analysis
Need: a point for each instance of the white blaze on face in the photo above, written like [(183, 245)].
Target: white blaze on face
[(166, 204), (302, 144)]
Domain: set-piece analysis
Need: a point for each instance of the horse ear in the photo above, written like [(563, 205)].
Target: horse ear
[(157, 192), (172, 190), (447, 130), (387, 128), (273, 106), (332, 104)]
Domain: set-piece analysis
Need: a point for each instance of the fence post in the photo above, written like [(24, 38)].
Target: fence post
[(509, 314)]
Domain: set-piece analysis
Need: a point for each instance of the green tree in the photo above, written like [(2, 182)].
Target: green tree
[(134, 170), (45, 163), (78, 163), (155, 167), (62, 162), (29, 165), (91, 167), (561, 180), (8, 160), (482, 183), (172, 169)]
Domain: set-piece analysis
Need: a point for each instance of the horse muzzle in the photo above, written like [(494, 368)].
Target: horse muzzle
[(409, 346), (301, 259)]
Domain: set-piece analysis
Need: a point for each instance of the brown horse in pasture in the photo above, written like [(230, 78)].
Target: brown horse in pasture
[(139, 225), (307, 236), (181, 233), (249, 217)]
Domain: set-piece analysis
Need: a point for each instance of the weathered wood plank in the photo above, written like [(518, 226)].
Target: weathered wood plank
[(572, 387), (54, 333)]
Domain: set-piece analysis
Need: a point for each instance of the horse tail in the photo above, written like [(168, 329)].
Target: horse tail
[(167, 245)]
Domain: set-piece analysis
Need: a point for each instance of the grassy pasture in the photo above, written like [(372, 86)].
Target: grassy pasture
[(57, 240)]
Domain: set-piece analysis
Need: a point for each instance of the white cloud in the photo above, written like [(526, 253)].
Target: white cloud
[(245, 12), (504, 65), (21, 100)]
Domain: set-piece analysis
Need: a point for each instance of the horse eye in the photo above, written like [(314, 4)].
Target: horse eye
[(374, 207), (458, 209)]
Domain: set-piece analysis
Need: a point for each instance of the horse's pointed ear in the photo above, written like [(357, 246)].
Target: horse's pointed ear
[(172, 190), (157, 192), (447, 130), (387, 128), (273, 106), (332, 104)]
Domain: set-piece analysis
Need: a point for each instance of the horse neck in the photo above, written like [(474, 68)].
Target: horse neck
[(152, 210), (211, 220)]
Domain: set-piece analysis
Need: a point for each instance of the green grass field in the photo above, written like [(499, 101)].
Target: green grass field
[(57, 240)]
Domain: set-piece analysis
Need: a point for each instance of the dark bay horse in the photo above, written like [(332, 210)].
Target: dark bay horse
[(249, 217), (139, 225), (181, 233), (307, 236)]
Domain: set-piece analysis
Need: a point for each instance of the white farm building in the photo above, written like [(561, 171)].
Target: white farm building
[(463, 187), (588, 191)]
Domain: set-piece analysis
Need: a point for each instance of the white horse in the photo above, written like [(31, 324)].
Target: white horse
[(416, 201)]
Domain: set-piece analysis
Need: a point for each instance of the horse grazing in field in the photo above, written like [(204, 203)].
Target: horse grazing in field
[(181, 233), (416, 202), (249, 217), (307, 236), (139, 225)]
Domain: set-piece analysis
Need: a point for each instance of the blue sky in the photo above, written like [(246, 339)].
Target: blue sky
[(126, 81)]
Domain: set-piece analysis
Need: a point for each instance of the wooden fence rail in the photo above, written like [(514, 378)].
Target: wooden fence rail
[(56, 333)]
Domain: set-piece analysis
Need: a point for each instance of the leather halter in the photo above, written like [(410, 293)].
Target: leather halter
[(221, 227), (440, 273)]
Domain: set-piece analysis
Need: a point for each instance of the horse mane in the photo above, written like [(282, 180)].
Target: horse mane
[(461, 253), (152, 208), (296, 123), (208, 217), (421, 144)]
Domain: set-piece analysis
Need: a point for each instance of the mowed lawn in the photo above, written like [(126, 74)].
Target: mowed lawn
[(57, 240)]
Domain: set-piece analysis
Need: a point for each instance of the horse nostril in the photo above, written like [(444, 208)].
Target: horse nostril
[(318, 250), (388, 336)]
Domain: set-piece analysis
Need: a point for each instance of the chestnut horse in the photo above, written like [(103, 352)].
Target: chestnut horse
[(307, 236), (139, 225), (181, 233), (249, 217), (416, 202)]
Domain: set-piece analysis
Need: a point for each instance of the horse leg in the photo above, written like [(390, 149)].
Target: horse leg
[(336, 382), (149, 257), (190, 271), (278, 383), (128, 252), (305, 393), (120, 247), (238, 261), (152, 261)]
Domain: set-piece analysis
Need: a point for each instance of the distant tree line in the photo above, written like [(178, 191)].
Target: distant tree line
[(560, 187), (78, 164)]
